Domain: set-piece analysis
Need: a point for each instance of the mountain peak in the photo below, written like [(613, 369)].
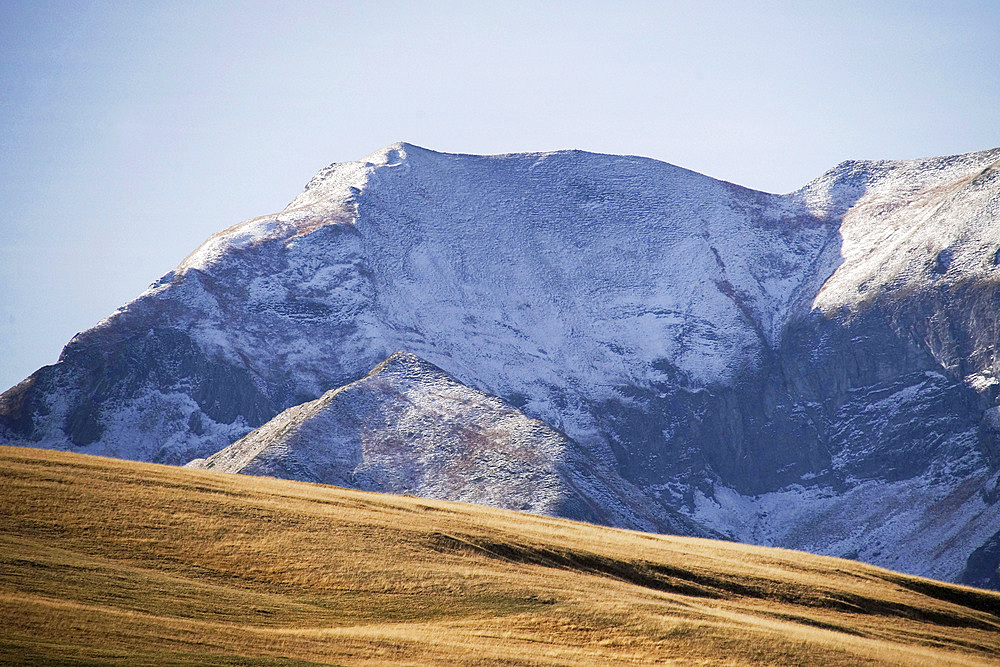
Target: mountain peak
[(388, 430), (403, 361), (775, 367)]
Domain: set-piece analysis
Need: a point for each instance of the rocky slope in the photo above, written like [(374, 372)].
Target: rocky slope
[(814, 370), (408, 427)]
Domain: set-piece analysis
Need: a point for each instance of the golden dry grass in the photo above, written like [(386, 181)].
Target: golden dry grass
[(104, 560)]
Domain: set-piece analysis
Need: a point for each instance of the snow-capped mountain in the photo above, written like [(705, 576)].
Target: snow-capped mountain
[(409, 427), (815, 370)]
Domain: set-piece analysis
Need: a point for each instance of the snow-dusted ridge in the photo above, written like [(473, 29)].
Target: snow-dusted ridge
[(722, 352), (408, 427)]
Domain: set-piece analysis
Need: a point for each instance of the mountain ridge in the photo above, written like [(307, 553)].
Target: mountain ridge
[(409, 427), (767, 365)]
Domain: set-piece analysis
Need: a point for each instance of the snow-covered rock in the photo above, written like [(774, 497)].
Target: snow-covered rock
[(409, 427), (768, 365)]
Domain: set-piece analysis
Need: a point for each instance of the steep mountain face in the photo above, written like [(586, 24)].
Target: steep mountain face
[(409, 427), (815, 370)]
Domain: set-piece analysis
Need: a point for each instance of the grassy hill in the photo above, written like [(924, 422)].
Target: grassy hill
[(105, 560)]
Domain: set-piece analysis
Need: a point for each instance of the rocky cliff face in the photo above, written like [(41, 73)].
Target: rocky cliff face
[(815, 370)]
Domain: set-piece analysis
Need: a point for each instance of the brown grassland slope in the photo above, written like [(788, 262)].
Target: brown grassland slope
[(104, 560)]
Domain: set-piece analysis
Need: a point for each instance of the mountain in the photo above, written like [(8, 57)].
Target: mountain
[(112, 561), (409, 427), (815, 370)]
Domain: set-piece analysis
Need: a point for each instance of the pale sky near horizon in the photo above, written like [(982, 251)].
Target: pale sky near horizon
[(130, 132)]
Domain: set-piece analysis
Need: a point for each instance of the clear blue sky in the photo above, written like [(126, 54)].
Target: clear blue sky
[(131, 131)]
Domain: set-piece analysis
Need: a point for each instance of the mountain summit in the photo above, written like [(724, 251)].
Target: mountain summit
[(408, 427), (816, 370)]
